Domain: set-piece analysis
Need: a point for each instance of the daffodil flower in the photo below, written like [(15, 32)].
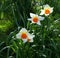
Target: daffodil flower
[(35, 18), (25, 35), (46, 10)]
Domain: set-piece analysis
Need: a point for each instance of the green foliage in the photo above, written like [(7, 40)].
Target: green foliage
[(5, 25), (14, 14)]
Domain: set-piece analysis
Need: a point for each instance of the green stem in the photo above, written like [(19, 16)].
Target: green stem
[(17, 53), (8, 52)]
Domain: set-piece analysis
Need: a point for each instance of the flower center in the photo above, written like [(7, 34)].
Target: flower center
[(47, 11), (28, 40), (24, 36), (35, 19)]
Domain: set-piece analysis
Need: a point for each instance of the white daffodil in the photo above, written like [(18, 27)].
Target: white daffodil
[(25, 35), (30, 37), (35, 18), (47, 10)]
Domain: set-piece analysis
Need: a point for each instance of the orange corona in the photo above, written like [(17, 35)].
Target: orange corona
[(35, 19), (24, 35), (47, 11)]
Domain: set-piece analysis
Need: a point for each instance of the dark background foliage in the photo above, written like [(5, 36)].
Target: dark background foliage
[(14, 13)]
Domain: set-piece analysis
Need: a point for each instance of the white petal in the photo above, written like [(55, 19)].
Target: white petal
[(51, 10), (31, 40), (46, 14), (42, 12), (23, 30), (24, 40), (18, 36), (30, 36), (32, 15), (29, 19), (41, 18), (38, 23), (46, 6)]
